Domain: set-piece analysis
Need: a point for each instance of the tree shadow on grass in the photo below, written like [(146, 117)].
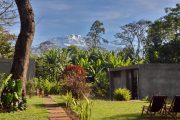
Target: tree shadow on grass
[(122, 117), (134, 117), (62, 104), (126, 117), (39, 105)]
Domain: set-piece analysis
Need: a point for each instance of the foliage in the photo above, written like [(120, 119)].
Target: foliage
[(6, 50), (56, 88), (95, 61), (162, 45), (47, 85), (132, 37), (81, 107), (3, 82), (11, 95), (30, 88), (102, 109), (43, 85), (51, 64), (93, 37), (122, 94), (75, 81), (101, 85)]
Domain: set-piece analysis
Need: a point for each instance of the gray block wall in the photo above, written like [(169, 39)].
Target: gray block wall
[(5, 67), (159, 79), (153, 79)]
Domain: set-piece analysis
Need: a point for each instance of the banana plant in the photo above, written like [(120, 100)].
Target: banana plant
[(54, 61)]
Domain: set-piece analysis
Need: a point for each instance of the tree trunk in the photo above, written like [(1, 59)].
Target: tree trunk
[(23, 44)]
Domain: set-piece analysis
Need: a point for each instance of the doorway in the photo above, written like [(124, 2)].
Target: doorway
[(132, 82)]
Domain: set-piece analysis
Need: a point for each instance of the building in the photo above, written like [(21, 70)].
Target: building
[(146, 79), (5, 67)]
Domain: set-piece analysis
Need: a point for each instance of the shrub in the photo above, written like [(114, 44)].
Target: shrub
[(75, 81), (56, 88), (30, 88), (122, 94), (101, 85), (82, 108), (12, 95)]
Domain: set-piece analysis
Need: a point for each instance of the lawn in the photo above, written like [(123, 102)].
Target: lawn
[(113, 110), (35, 111)]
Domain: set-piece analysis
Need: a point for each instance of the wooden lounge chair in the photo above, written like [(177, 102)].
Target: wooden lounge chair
[(157, 104), (174, 108)]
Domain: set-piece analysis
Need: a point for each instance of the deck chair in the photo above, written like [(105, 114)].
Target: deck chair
[(157, 104), (174, 108)]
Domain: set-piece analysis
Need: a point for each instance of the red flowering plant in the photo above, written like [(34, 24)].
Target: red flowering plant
[(75, 81)]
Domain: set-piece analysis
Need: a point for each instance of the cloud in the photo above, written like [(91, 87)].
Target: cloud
[(107, 15), (156, 5), (50, 6)]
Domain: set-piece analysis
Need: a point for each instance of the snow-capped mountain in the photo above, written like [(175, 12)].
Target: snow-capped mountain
[(63, 42)]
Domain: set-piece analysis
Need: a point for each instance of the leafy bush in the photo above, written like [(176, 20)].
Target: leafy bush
[(41, 86), (101, 85), (30, 88), (75, 81), (47, 85), (12, 96), (122, 94), (56, 87), (81, 107)]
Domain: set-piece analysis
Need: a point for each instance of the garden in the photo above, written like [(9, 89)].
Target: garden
[(74, 82)]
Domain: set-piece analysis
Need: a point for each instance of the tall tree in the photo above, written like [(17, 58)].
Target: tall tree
[(132, 37), (162, 45), (94, 36), (24, 41)]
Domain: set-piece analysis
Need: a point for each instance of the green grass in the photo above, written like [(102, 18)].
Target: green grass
[(35, 111), (117, 110), (113, 110)]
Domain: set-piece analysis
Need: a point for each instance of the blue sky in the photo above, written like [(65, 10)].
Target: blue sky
[(56, 18)]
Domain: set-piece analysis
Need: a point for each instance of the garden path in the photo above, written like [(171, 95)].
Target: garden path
[(55, 111)]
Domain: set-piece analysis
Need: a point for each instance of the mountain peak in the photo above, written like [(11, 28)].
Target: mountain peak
[(68, 40)]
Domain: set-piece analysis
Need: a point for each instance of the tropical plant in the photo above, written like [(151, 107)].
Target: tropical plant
[(81, 107), (3, 82), (11, 95), (47, 85), (51, 64), (30, 88), (101, 85)]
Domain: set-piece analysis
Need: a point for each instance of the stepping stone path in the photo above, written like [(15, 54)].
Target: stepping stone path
[(55, 111)]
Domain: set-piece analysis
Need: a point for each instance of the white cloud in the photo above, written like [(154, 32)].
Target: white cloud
[(108, 15)]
